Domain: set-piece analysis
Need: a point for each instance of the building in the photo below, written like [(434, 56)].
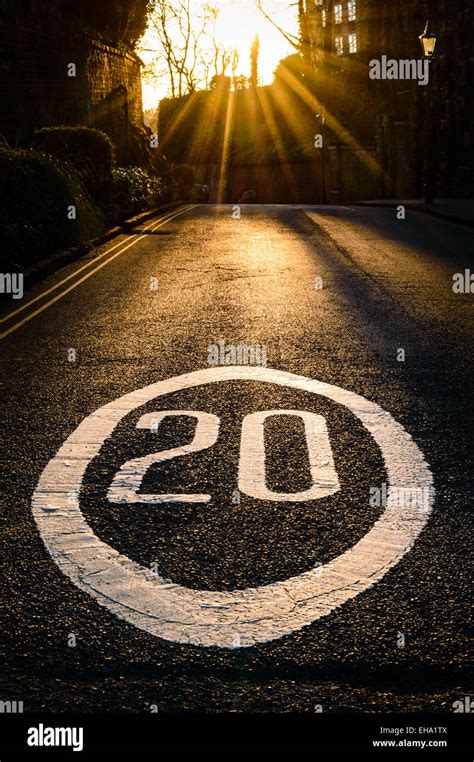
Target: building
[(340, 38)]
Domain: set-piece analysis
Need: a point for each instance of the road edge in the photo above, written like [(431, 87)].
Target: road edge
[(60, 259), (414, 208)]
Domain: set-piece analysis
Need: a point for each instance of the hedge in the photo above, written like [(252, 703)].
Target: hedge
[(36, 196), (90, 152)]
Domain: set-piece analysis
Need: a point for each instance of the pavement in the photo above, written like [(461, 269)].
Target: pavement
[(247, 596), (454, 209)]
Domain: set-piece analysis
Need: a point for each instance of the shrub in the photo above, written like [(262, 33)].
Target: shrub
[(185, 179), (90, 152), (36, 192), (136, 191), (116, 19)]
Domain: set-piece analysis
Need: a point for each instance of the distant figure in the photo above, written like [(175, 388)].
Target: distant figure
[(248, 197)]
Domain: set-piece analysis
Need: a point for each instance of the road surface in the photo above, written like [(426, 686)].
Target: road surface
[(350, 297)]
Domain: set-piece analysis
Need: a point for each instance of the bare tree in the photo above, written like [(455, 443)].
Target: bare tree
[(292, 39), (221, 56), (180, 36), (188, 47)]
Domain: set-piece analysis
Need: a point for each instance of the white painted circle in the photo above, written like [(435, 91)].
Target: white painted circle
[(241, 617)]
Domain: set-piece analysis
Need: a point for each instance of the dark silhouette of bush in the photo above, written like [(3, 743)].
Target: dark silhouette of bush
[(90, 153), (36, 196)]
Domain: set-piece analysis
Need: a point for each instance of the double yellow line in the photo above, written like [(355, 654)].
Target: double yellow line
[(121, 246)]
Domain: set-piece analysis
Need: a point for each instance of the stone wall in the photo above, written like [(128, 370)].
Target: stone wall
[(36, 88)]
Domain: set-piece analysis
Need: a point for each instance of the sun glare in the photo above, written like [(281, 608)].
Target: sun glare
[(237, 24)]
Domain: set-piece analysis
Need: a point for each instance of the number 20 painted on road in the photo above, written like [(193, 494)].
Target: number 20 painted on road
[(251, 471)]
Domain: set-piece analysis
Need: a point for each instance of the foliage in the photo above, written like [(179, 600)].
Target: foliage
[(90, 152), (36, 193), (290, 68), (269, 124), (117, 20), (136, 191), (347, 96), (220, 82)]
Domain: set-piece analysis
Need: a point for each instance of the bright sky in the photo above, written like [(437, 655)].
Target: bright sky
[(238, 23)]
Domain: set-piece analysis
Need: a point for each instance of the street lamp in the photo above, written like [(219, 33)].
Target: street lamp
[(428, 44), (428, 41)]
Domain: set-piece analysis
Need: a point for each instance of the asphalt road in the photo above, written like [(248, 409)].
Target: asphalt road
[(334, 295)]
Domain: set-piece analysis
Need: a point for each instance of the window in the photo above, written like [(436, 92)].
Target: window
[(339, 42), (338, 13), (352, 10), (324, 17), (352, 43)]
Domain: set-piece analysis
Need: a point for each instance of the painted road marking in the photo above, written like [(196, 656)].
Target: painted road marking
[(152, 226), (252, 468), (252, 477), (255, 615), (91, 262), (127, 481)]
